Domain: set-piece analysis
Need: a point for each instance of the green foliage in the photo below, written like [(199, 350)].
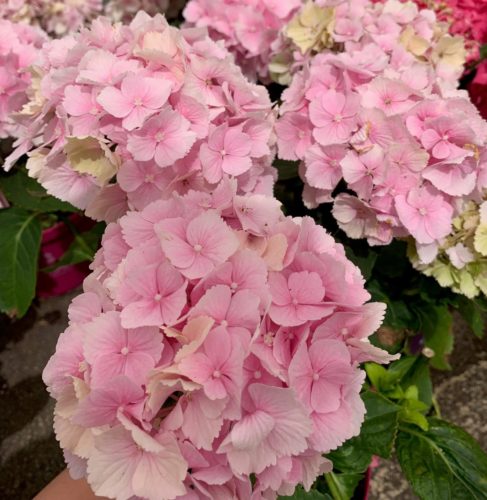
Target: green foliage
[(342, 485), (19, 250), (301, 494), (24, 192), (350, 457), (31, 211), (436, 326), (443, 462), (405, 379), (379, 429), (473, 312)]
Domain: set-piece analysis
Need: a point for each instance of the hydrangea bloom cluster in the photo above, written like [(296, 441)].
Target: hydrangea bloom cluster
[(57, 17), (158, 108), (215, 339), (249, 28), (393, 26), (381, 117), (467, 18), (461, 262), (19, 48)]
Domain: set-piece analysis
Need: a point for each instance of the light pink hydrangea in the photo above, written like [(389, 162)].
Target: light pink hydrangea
[(20, 46), (121, 116), (390, 124), (248, 28), (215, 339), (464, 17), (56, 17)]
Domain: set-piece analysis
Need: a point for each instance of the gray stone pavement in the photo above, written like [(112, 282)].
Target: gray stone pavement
[(30, 456)]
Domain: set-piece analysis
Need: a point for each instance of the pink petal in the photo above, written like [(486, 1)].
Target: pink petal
[(236, 165), (136, 117), (279, 289), (142, 148), (211, 163), (156, 92), (101, 405), (249, 432), (76, 102), (114, 102)]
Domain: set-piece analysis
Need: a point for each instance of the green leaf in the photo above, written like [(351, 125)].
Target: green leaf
[(472, 313), (19, 251), (300, 494), (377, 374), (379, 429), (286, 169), (387, 379), (436, 325), (419, 376), (342, 485), (350, 457), (483, 52), (443, 463), (414, 417), (24, 192), (398, 369)]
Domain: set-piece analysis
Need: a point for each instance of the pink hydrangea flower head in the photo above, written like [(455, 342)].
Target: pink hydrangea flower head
[(56, 20), (20, 47), (204, 349), (247, 29), (373, 107), (117, 116)]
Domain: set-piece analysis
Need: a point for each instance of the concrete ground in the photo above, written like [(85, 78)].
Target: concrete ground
[(30, 456)]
